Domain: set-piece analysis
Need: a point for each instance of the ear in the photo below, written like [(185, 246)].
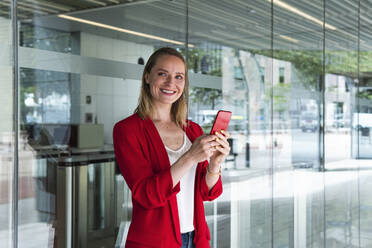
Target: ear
[(146, 78)]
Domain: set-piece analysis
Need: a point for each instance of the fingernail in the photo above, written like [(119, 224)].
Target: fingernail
[(217, 139), (217, 147), (216, 133), (222, 131)]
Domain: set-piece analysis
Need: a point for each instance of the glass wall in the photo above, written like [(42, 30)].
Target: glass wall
[(77, 79), (295, 74), (7, 143), (361, 126), (298, 217)]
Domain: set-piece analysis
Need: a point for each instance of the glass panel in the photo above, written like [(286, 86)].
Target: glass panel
[(341, 186), (45, 38), (298, 56), (341, 70), (80, 73), (363, 112), (230, 68), (297, 69), (362, 119), (365, 204), (6, 126), (342, 208)]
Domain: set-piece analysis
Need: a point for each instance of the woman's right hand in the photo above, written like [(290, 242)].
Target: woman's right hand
[(202, 148)]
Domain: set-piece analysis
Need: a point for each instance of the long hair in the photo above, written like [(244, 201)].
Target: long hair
[(145, 106)]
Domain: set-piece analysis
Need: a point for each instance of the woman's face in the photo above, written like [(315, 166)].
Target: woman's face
[(166, 79)]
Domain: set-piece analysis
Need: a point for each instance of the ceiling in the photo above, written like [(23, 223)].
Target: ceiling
[(244, 24)]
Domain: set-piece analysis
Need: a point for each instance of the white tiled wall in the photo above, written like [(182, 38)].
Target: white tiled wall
[(112, 98), (6, 79)]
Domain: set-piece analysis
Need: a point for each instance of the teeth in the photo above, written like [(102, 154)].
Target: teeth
[(168, 91)]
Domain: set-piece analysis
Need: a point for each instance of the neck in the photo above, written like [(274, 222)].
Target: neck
[(163, 113)]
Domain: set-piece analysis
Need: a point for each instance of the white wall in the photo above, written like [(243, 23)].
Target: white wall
[(113, 99)]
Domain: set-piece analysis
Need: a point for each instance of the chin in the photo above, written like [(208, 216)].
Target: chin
[(170, 101)]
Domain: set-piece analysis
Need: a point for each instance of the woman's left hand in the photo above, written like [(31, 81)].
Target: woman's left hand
[(222, 152)]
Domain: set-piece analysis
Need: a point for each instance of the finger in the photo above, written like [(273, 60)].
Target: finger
[(214, 143), (223, 150), (219, 143), (221, 136), (210, 145), (211, 152), (225, 133), (208, 138), (222, 142)]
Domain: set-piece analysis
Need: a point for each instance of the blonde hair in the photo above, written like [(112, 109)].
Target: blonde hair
[(145, 106)]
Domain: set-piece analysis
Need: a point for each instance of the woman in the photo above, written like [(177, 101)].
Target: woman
[(163, 158)]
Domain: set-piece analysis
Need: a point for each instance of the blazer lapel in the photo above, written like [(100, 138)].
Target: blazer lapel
[(153, 137), (163, 162)]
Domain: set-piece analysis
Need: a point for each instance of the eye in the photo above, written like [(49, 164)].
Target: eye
[(179, 77), (162, 74)]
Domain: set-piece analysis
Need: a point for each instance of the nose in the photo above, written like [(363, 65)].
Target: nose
[(170, 79)]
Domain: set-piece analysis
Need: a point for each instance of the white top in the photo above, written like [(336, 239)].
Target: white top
[(185, 198)]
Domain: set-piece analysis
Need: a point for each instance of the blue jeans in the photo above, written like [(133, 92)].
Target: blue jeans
[(188, 240)]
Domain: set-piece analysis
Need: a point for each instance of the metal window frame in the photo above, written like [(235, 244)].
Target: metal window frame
[(15, 173)]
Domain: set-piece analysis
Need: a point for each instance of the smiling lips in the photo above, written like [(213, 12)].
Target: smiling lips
[(168, 92)]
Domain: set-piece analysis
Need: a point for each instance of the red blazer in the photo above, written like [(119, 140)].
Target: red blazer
[(145, 166)]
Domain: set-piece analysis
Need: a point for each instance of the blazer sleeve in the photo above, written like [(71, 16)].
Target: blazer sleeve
[(216, 191), (149, 189)]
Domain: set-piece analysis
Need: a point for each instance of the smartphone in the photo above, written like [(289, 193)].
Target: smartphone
[(221, 122)]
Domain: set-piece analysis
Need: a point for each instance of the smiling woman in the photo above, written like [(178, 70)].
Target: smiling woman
[(163, 158), (166, 80)]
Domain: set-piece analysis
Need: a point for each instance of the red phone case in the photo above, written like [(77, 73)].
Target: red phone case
[(221, 122)]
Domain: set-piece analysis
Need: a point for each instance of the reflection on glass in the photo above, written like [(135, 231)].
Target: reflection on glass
[(80, 73), (342, 198), (365, 204), (45, 38), (44, 96), (297, 70), (241, 216), (6, 128), (363, 96), (96, 193), (337, 116), (362, 119), (341, 72)]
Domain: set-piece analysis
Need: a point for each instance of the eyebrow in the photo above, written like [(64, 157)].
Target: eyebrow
[(161, 69)]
